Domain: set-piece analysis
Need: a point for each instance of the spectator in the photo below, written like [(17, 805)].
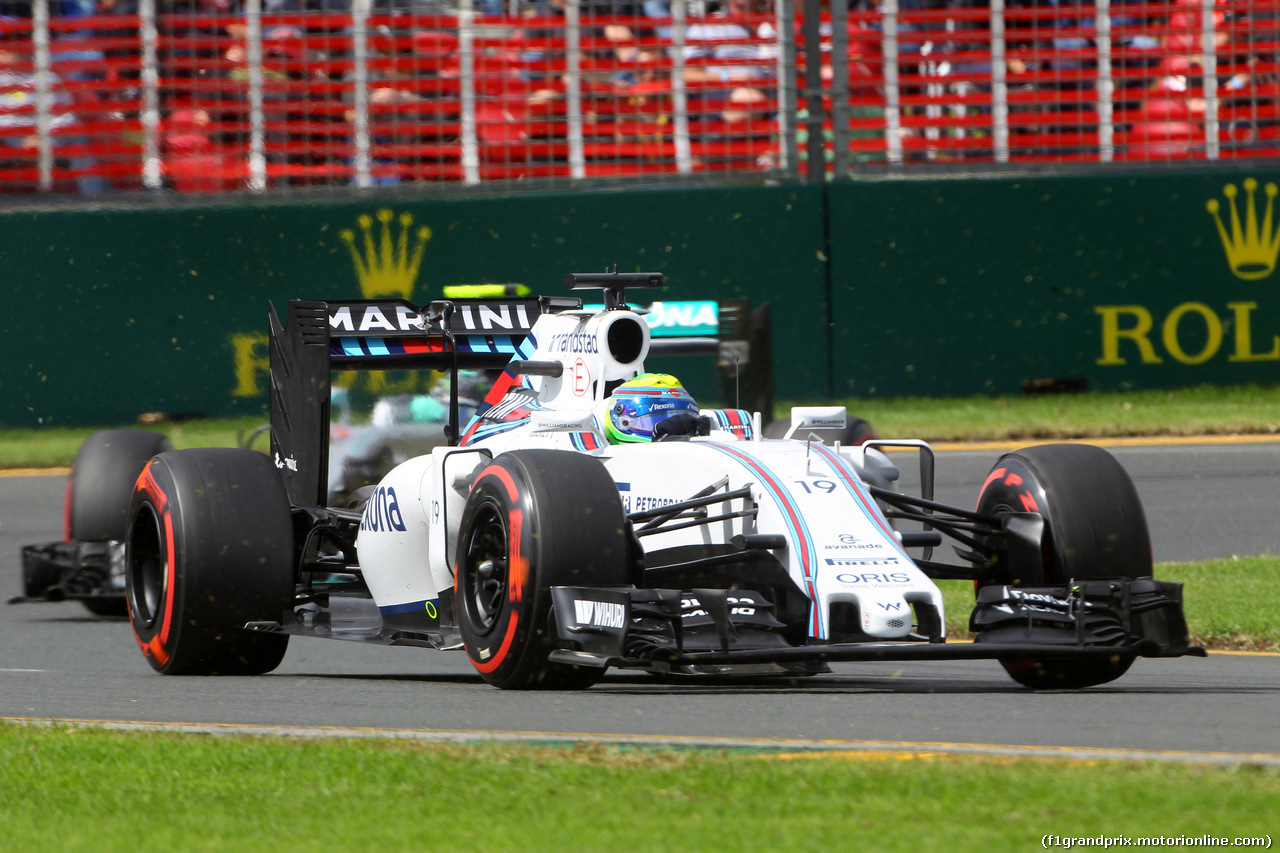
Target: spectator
[(193, 33), (18, 99), (77, 48), (746, 44), (728, 35), (1133, 45), (392, 84), (613, 23), (611, 36), (194, 164), (19, 133), (1182, 74)]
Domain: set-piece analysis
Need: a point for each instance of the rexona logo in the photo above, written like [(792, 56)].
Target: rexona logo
[(1252, 247), (683, 318), (1195, 332), (600, 614), (382, 512), (678, 319)]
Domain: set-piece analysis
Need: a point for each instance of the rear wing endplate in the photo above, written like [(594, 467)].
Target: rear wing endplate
[(390, 334)]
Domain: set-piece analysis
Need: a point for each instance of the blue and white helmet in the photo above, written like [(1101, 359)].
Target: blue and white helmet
[(638, 406)]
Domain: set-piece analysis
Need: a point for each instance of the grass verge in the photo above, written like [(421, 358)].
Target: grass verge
[(53, 447), (1241, 410), (1231, 602), (91, 790)]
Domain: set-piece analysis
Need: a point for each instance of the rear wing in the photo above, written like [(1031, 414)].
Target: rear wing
[(390, 334), (460, 334)]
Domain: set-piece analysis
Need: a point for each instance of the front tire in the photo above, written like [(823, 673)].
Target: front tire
[(535, 519), (1094, 527), (209, 548)]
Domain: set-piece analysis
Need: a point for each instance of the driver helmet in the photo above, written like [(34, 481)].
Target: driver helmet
[(639, 406)]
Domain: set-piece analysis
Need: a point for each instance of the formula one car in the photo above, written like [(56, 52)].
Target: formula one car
[(87, 564), (549, 554), (400, 427)]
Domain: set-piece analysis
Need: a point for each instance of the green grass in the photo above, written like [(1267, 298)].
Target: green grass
[(91, 790), (1230, 603), (1242, 410), (56, 446)]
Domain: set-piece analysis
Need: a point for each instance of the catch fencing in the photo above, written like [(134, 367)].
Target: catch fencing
[(249, 100)]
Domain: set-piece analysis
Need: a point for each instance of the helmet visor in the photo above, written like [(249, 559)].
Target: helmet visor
[(640, 422)]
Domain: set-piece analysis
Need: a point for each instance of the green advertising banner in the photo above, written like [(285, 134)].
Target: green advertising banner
[(113, 313), (876, 288), (966, 286)]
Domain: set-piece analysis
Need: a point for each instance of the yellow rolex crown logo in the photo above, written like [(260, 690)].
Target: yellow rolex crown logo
[(1252, 248), (388, 265)]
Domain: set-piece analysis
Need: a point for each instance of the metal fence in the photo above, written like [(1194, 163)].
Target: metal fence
[(206, 96)]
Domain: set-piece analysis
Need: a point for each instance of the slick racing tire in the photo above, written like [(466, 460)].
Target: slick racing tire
[(1094, 527), (534, 519), (98, 491), (209, 549), (855, 432)]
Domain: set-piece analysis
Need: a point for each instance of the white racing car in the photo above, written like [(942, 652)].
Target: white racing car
[(563, 533)]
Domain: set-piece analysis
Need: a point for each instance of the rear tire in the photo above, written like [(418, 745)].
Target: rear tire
[(210, 548), (102, 478), (535, 519), (1094, 527), (98, 492), (107, 605)]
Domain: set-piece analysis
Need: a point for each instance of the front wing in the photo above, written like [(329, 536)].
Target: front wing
[(653, 629), (85, 571)]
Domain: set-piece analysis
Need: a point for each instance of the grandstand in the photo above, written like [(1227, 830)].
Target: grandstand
[(214, 97)]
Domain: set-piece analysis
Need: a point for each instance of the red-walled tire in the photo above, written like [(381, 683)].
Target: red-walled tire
[(1094, 527), (209, 549), (535, 519), (98, 492)]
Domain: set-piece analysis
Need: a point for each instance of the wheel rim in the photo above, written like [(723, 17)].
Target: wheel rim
[(147, 570), (486, 567)]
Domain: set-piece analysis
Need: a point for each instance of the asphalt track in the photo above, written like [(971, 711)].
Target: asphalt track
[(1203, 500)]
